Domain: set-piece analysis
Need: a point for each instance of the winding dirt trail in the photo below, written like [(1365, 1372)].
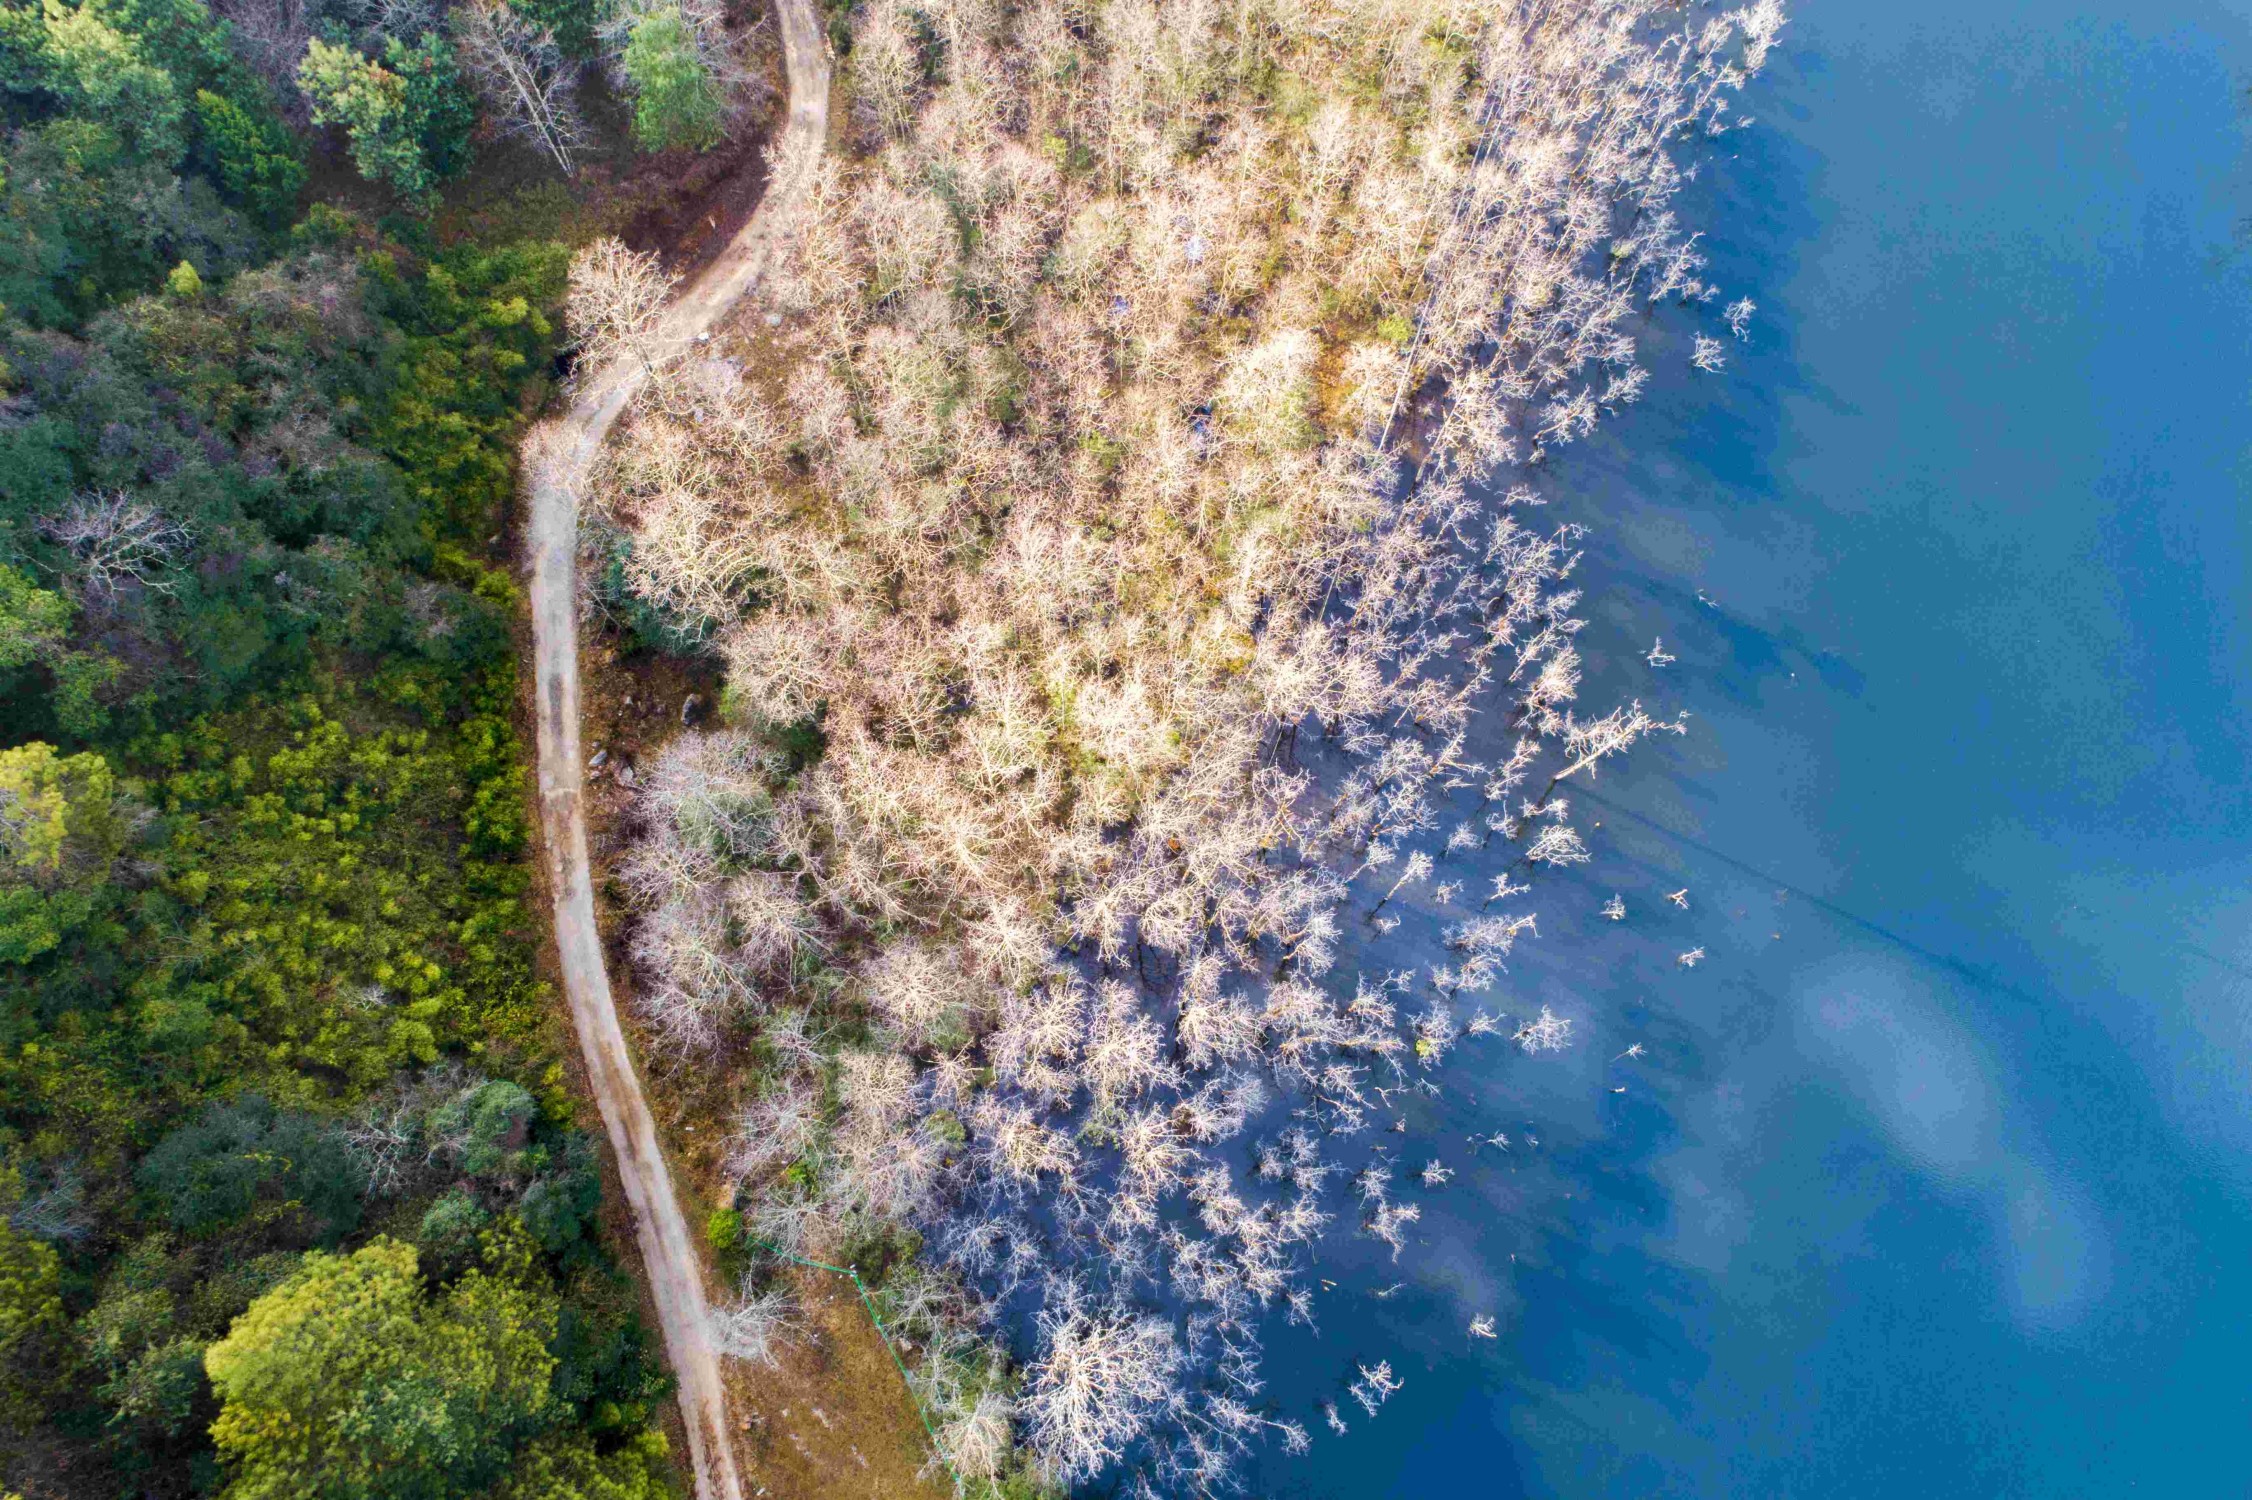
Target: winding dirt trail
[(558, 457)]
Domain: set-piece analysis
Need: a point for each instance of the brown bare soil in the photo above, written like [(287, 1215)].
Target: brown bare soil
[(834, 1420)]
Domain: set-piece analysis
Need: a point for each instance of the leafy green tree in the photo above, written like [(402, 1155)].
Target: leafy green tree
[(59, 818), (136, 1308), (676, 98), (485, 1129), (33, 621), (440, 110), (80, 678), (558, 1210), (480, 326), (23, 50), (378, 427), (253, 156), (84, 220), (158, 1388), (408, 117), (61, 827), (571, 22), (311, 771), (98, 95), (370, 102), (184, 38), (566, 1466), (133, 1337), (31, 1311), (348, 1382), (450, 1227), (34, 632), (237, 1159), (103, 74)]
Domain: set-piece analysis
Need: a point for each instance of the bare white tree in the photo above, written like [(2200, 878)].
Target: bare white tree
[(615, 306), (1556, 844), (772, 925), (271, 35), (1587, 744), (1375, 1385), (57, 1212), (1416, 868), (758, 1327), (1546, 1032), (522, 76), (1102, 1375), (776, 1128), (979, 1440), (119, 542)]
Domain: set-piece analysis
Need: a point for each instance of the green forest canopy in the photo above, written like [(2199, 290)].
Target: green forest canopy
[(293, 1200)]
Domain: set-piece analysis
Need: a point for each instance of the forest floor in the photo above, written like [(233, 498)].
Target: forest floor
[(829, 1420)]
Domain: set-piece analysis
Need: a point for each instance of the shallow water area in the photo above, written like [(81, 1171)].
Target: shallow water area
[(1936, 1169)]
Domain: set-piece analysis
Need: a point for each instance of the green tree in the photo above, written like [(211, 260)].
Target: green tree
[(61, 828), (97, 97), (439, 107), (677, 100), (59, 821), (103, 73), (558, 1210), (83, 220), (23, 49), (347, 1382), (134, 1338), (235, 1159), (370, 102), (313, 881), (80, 677), (408, 117), (485, 1129), (481, 327), (565, 1466), (31, 1310), (570, 22), (159, 1387), (254, 157), (33, 621)]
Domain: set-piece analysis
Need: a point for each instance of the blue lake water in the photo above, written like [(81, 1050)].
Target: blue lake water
[(1936, 1179)]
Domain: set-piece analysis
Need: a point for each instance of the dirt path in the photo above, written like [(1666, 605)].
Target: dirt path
[(558, 459)]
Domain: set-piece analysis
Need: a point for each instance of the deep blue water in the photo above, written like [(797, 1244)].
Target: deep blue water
[(1937, 1177)]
